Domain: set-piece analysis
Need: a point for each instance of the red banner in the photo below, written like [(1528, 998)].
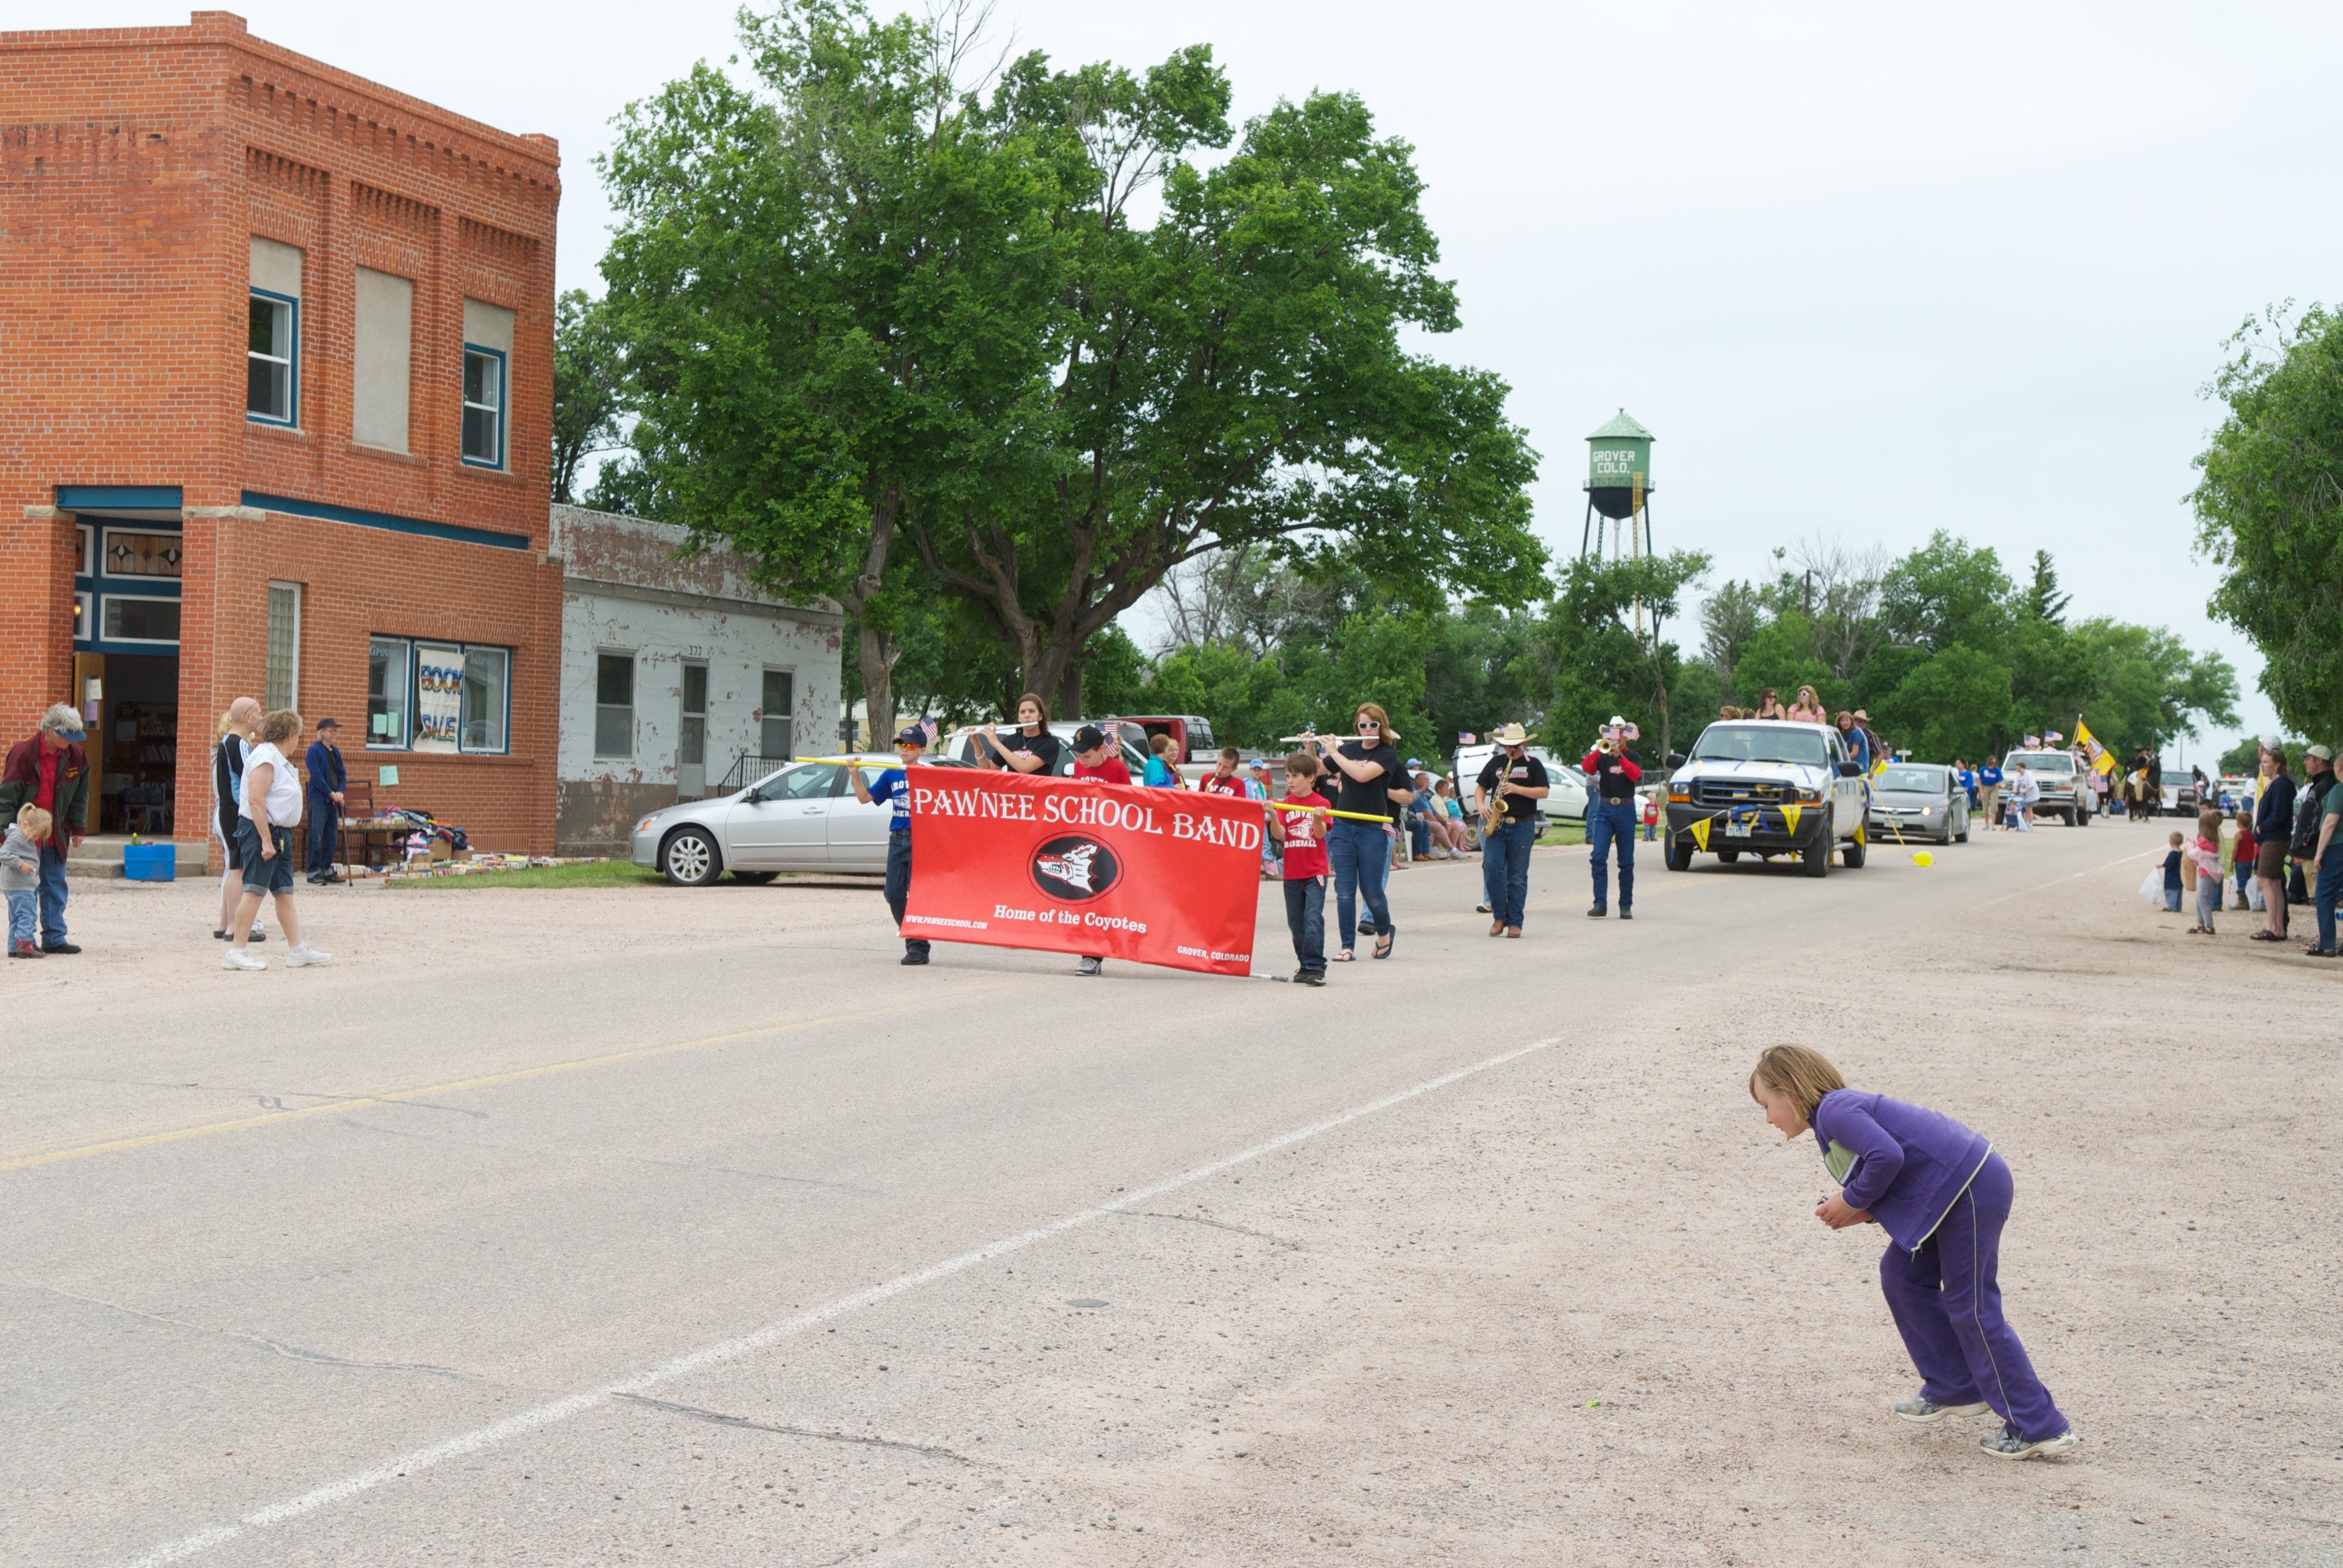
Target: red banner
[(1164, 876)]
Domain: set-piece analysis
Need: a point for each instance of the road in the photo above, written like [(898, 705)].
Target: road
[(686, 1227)]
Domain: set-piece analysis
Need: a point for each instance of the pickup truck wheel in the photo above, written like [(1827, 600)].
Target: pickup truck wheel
[(1816, 858), (1852, 857), (1678, 855), (691, 859)]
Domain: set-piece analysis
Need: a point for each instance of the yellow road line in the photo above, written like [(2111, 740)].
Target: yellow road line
[(343, 1103)]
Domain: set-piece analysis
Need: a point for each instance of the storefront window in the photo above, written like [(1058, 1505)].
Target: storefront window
[(484, 703), (427, 695)]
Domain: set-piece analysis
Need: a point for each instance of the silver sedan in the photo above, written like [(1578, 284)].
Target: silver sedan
[(802, 817), (1918, 800)]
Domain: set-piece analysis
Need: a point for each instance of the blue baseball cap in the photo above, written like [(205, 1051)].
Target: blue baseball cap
[(910, 735)]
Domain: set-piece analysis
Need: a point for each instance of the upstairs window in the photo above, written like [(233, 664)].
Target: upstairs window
[(268, 384), (272, 385), (483, 406)]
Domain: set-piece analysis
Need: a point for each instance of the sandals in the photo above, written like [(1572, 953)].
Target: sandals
[(1383, 943), (1346, 955), (2265, 936)]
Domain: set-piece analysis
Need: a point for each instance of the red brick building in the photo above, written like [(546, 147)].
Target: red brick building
[(275, 345)]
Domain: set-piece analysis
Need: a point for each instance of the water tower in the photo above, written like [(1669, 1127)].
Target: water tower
[(1619, 487)]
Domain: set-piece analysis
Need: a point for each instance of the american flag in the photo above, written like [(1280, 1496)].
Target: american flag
[(928, 729)]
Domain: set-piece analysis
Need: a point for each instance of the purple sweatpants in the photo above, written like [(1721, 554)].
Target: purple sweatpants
[(1947, 1305)]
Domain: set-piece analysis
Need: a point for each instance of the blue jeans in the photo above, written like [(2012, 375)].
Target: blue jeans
[(1419, 837), (1305, 917), (1609, 822), (898, 886), (1946, 1300), (53, 892), (324, 819), (2172, 897), (21, 905), (2330, 887), (1506, 870), (1361, 856)]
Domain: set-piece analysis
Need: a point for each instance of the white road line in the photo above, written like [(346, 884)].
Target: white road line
[(773, 1333)]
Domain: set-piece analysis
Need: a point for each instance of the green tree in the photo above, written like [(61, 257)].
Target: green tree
[(1233, 374), (1599, 662), (2269, 509), (1953, 704), (2044, 602), (836, 295), (1946, 592), (588, 382)]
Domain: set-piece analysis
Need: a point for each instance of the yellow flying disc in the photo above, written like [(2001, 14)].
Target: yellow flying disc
[(1922, 858)]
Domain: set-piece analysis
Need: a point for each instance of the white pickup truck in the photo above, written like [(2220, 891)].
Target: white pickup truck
[(1768, 786), (2065, 788)]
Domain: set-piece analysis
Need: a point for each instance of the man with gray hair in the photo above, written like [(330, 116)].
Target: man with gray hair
[(51, 771)]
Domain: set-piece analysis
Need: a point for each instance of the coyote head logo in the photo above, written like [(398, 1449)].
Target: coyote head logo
[(1075, 868)]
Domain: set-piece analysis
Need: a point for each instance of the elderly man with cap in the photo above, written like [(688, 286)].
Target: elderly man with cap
[(51, 771), (328, 778), (2309, 804), (894, 784)]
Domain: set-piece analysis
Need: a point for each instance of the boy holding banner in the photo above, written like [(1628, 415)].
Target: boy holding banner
[(894, 785), (1299, 827), (1094, 757)]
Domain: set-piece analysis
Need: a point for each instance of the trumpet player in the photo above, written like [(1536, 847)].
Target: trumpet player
[(1612, 771), (1510, 785)]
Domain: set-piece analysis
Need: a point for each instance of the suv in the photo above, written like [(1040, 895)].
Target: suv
[(2066, 789), (1769, 786)]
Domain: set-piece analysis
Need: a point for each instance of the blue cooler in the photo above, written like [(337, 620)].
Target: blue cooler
[(150, 862)]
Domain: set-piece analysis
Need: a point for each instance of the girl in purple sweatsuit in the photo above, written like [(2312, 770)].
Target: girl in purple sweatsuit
[(1942, 1195)]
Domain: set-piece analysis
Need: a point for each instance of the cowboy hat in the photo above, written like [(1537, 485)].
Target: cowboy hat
[(1511, 735)]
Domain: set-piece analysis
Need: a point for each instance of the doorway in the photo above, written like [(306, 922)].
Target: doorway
[(691, 753), (138, 740)]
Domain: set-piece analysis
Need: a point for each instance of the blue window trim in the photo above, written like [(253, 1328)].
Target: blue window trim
[(94, 588), (101, 642), (503, 407), (396, 524), (292, 369), (413, 675)]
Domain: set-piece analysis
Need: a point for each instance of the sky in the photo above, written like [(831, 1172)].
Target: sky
[(1866, 271)]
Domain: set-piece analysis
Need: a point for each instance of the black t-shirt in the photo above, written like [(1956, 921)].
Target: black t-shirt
[(1528, 771), (1371, 798), (1045, 746)]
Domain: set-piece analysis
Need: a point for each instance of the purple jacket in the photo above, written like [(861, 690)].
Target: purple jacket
[(1905, 1163)]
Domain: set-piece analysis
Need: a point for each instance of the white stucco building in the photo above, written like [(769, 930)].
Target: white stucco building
[(673, 668)]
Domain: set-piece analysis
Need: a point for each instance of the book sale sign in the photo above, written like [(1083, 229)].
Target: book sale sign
[(1166, 876)]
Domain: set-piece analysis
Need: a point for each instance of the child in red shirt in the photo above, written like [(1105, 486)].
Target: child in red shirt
[(1303, 834), (1094, 757)]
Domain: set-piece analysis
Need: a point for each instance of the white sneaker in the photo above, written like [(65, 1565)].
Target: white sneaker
[(237, 958), (304, 955)]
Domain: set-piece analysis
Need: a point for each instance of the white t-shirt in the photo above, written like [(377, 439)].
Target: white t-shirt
[(284, 803)]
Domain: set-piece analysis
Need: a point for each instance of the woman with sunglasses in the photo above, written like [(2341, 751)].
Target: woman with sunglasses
[(1360, 772)]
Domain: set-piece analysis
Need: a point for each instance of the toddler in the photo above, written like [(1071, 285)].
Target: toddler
[(2205, 854), (1942, 1196), (20, 875), (2172, 875)]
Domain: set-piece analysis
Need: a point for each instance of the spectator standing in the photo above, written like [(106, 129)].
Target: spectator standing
[(894, 785), (2205, 853), (2174, 857), (2309, 803), (2023, 793), (2243, 851), (51, 771), (1360, 852), (2326, 871), (228, 798), (1518, 778), (327, 780), (1257, 789), (1615, 772), (2273, 828), (1988, 780), (1965, 776), (1302, 834), (20, 877), (272, 810), (1095, 758)]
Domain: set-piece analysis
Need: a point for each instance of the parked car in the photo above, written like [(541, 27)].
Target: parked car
[(1919, 801), (1191, 735), (2064, 795), (800, 818), (1770, 787), (1566, 786)]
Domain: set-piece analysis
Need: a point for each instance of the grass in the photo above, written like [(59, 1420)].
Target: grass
[(593, 874)]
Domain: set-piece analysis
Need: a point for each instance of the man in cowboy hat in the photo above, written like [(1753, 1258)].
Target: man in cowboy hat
[(1613, 771), (1519, 779)]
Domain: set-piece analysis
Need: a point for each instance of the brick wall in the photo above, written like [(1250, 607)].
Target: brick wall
[(134, 166)]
